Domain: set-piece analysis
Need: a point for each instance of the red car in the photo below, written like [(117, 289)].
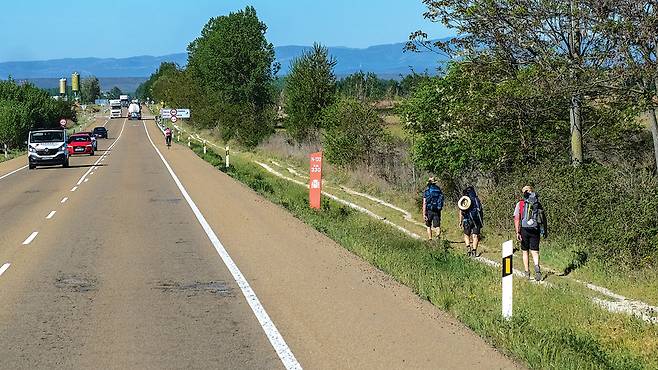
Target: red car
[(80, 144)]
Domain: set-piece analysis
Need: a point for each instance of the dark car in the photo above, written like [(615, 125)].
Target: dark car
[(100, 132)]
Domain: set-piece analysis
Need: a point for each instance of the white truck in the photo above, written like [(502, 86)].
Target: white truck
[(125, 100), (115, 108), (134, 111)]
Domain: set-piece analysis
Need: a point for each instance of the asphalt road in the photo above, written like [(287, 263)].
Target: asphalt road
[(124, 273)]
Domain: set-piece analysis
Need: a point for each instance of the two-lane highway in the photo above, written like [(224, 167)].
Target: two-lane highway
[(121, 276)]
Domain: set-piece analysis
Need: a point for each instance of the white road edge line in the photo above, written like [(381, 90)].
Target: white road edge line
[(74, 188), (50, 215), (64, 200), (4, 268), (30, 238), (12, 172), (95, 165), (285, 354)]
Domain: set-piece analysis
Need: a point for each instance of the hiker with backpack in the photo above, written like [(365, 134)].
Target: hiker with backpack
[(530, 224), (432, 205), (471, 219)]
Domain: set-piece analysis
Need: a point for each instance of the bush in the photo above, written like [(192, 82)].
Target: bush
[(610, 214), (353, 132)]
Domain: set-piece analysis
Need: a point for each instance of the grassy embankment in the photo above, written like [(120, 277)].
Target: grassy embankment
[(554, 328)]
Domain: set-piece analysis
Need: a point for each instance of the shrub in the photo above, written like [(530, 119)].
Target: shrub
[(353, 132)]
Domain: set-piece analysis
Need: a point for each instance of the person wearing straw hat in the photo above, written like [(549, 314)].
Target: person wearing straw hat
[(530, 224), (471, 219), (432, 205)]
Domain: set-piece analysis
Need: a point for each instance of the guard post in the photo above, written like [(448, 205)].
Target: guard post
[(508, 269), (227, 161)]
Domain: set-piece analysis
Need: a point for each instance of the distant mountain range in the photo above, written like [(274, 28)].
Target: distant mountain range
[(388, 61)]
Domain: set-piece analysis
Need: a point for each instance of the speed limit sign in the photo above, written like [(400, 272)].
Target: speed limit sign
[(174, 119), (62, 123)]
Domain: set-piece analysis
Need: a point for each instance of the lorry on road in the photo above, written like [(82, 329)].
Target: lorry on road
[(134, 111), (115, 108), (125, 100), (47, 147)]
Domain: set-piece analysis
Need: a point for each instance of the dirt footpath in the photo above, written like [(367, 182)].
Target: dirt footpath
[(333, 309)]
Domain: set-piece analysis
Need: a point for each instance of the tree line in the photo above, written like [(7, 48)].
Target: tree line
[(23, 107)]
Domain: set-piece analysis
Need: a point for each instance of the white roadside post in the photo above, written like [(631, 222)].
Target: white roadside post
[(227, 161), (204, 147), (189, 143), (508, 250), (6, 156)]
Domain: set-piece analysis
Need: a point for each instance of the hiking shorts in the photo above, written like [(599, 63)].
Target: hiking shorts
[(529, 239), (433, 219), (472, 228)]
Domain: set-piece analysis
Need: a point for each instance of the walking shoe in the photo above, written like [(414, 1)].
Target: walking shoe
[(526, 274), (537, 273)]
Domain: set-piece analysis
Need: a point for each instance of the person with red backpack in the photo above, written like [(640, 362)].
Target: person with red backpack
[(530, 223), (471, 219), (432, 205)]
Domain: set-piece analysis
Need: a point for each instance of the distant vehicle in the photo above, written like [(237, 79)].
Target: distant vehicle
[(125, 100), (80, 144), (134, 111), (93, 138), (100, 132), (47, 147), (115, 108)]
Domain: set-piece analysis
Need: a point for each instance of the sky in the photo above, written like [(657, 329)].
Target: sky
[(53, 29)]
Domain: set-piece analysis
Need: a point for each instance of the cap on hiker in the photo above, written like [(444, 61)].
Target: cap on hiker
[(431, 180)]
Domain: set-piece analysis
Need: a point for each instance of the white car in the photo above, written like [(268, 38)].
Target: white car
[(47, 147)]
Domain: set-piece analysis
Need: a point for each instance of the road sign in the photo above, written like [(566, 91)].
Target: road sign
[(173, 112), (173, 119), (315, 184), (180, 113), (62, 122)]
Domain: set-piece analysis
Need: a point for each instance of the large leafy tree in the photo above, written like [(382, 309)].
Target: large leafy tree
[(561, 37), (145, 89), (90, 89), (233, 65), (633, 27), (309, 89), (481, 118)]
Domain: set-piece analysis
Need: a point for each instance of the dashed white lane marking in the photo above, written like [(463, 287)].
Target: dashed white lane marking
[(30, 238), (285, 354), (102, 157), (50, 215), (74, 188), (4, 268), (12, 172), (64, 200)]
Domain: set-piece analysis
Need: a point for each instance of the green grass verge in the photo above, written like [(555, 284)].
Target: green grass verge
[(11, 154), (552, 328)]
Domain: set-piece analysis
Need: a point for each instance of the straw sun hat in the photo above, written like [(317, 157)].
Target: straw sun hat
[(464, 203)]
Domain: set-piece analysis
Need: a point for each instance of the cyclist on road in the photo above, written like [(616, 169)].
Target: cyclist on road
[(168, 136)]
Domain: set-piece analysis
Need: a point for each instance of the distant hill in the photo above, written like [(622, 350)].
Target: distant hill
[(385, 60)]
